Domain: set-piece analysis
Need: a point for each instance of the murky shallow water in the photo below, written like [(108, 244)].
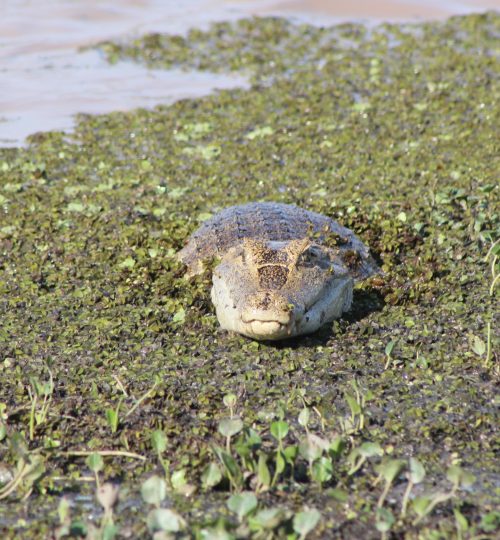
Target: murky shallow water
[(44, 80)]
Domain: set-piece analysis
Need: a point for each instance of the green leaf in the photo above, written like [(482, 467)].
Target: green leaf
[(490, 522), (304, 416), (75, 207), (369, 449), (216, 533), (312, 447), (64, 509), (384, 520), (389, 469), (389, 347), (353, 405), (460, 477), (95, 462), (420, 505), (109, 531), (179, 316), (280, 462), (211, 475), (78, 529), (478, 346), (279, 430), (339, 494), (336, 447), (417, 471), (228, 427), (461, 520), (158, 441), (154, 490), (231, 466), (266, 519), (263, 474), (229, 400), (112, 419), (304, 522), (164, 519), (242, 503), (322, 470), (178, 479), (129, 263), (290, 453)]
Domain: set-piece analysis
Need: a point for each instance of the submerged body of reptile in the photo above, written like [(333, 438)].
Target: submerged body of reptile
[(284, 271)]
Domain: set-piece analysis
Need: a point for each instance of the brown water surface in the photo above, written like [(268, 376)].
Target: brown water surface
[(44, 80)]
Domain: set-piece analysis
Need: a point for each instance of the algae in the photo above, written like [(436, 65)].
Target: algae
[(393, 132)]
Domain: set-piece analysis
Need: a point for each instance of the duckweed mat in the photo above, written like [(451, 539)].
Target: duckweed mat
[(113, 371)]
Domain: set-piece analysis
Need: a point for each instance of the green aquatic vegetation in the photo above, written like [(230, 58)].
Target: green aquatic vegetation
[(416, 475), (393, 132), (305, 521), (388, 352), (279, 431), (113, 416), (425, 504), (384, 521), (154, 492), (96, 464), (40, 395), (357, 405), (29, 469), (359, 455), (242, 504), (159, 443), (388, 470)]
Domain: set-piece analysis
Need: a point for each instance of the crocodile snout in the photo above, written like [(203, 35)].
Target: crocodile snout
[(271, 316)]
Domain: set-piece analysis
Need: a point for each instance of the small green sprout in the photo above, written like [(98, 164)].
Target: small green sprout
[(39, 391), (388, 351), (389, 470), (113, 416), (159, 444), (423, 506), (279, 431), (229, 427), (384, 521), (359, 455), (96, 464), (263, 473), (415, 475), (231, 467)]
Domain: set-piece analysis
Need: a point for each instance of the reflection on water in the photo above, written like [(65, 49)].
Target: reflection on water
[(44, 80)]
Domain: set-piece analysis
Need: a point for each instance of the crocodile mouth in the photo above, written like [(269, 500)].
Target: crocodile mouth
[(275, 326), (268, 329)]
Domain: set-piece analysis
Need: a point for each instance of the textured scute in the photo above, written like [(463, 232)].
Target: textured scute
[(270, 221)]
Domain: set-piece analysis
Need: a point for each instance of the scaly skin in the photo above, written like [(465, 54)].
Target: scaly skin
[(284, 271)]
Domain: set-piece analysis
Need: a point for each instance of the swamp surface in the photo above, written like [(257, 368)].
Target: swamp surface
[(112, 366)]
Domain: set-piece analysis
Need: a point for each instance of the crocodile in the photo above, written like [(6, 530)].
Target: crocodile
[(284, 271)]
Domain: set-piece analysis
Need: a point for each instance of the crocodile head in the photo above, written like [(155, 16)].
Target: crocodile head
[(274, 290)]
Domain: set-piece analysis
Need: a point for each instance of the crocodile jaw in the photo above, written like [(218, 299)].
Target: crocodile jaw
[(295, 320)]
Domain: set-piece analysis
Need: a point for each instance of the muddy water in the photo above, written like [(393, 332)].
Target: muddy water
[(44, 80)]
